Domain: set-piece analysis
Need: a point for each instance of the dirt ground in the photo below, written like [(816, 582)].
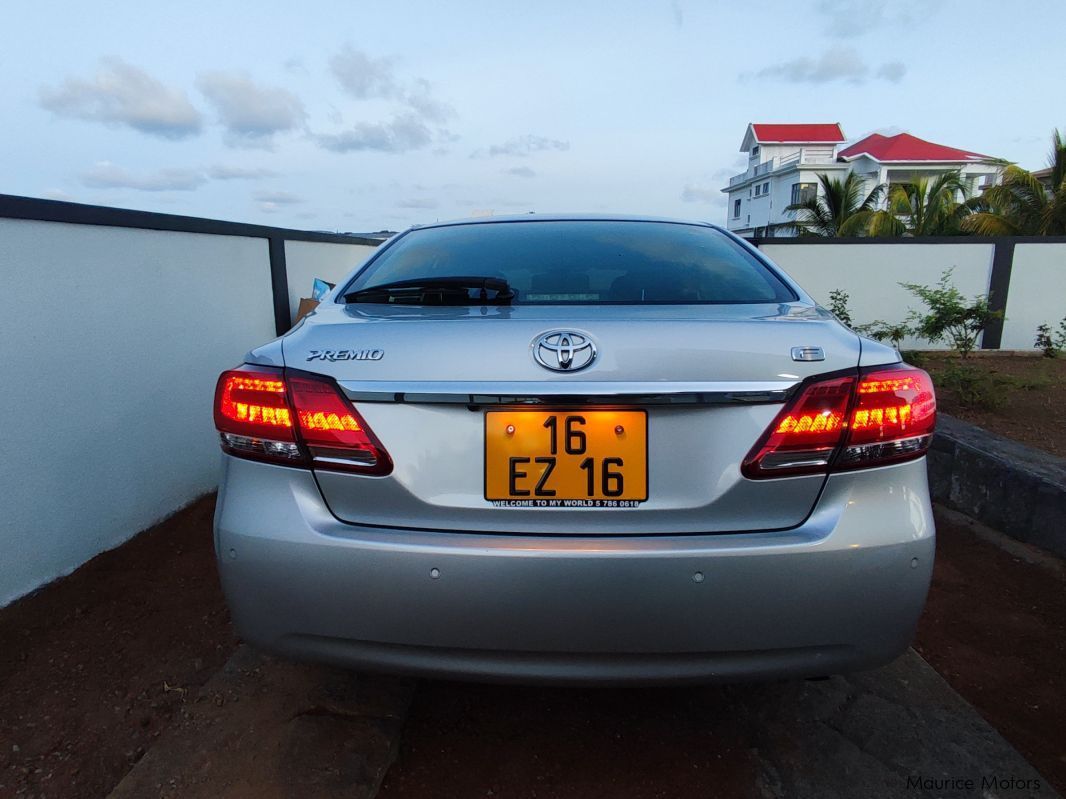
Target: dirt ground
[(95, 666), (1032, 389), (465, 740), (995, 628)]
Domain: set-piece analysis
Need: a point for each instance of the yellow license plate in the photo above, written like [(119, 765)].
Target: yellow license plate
[(577, 458)]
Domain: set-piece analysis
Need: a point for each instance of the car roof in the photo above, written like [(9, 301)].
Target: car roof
[(490, 220)]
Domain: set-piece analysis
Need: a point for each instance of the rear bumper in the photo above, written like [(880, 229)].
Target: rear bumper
[(841, 592)]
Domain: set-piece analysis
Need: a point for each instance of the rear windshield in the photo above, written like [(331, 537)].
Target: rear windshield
[(584, 263)]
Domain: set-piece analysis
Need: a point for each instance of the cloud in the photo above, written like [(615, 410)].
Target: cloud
[(272, 200), (423, 203), (415, 108), (420, 99), (223, 172), (295, 65), (700, 194), (364, 77), (252, 114), (705, 187), (276, 197), (121, 94), (405, 132), (520, 172), (835, 64), (679, 14), (891, 71), (106, 175), (522, 146), (334, 114), (849, 18)]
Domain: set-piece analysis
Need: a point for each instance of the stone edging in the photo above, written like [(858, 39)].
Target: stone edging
[(1006, 485)]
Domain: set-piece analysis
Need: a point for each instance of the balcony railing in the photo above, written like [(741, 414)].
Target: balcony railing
[(765, 168), (812, 155), (807, 155)]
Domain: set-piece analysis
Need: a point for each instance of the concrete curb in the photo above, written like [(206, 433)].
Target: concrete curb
[(1008, 486)]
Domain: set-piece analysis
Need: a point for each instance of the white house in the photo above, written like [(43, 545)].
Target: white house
[(784, 162)]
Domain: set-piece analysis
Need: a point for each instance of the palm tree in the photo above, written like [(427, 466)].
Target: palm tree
[(837, 210), (1021, 205), (923, 207)]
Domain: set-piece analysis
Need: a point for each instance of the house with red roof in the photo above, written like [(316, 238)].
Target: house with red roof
[(785, 160)]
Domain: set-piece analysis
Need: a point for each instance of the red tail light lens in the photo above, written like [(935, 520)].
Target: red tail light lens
[(893, 418), (298, 420), (806, 433), (253, 416), (849, 422), (333, 430)]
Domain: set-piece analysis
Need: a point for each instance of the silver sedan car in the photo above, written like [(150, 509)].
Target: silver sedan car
[(575, 449)]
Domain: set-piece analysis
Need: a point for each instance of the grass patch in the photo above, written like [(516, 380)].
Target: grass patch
[(1016, 396)]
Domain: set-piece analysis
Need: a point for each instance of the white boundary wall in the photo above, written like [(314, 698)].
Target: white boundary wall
[(306, 260), (871, 273), (1037, 293), (111, 339), (110, 343)]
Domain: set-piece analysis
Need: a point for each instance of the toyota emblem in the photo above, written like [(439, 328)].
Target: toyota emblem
[(563, 350)]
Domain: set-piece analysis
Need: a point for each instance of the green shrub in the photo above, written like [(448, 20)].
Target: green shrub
[(890, 331), (1045, 342), (914, 358), (1037, 382), (948, 317), (1051, 345), (880, 330), (972, 387), (838, 304)]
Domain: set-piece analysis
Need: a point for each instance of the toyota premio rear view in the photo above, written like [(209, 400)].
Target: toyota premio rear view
[(575, 449)]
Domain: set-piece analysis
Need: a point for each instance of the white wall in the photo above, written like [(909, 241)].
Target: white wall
[(111, 340), (758, 208), (871, 274), (1037, 293), (110, 343), (306, 260)]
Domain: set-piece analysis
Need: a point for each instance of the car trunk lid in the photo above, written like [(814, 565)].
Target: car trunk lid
[(709, 378)]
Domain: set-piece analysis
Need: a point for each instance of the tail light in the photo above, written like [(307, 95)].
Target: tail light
[(876, 417), (294, 419), (332, 429), (253, 416)]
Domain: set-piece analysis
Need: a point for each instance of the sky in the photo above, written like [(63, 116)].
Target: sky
[(358, 116)]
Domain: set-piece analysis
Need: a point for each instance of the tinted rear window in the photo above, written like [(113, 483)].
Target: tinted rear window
[(585, 262)]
